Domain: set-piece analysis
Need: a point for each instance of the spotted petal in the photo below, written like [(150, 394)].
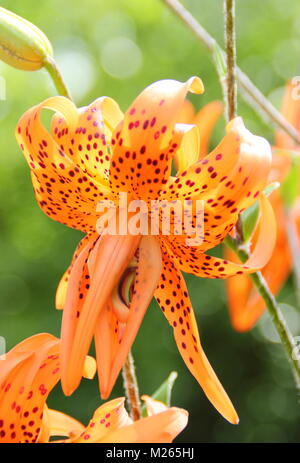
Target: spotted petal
[(191, 260), (108, 418), (65, 189), (172, 296), (160, 428), (227, 181), (29, 372), (142, 153), (89, 145), (58, 424)]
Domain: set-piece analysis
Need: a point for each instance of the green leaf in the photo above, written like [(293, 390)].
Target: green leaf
[(163, 393), (249, 219)]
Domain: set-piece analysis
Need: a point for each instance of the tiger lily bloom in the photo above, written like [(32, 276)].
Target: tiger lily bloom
[(112, 424), (95, 153), (28, 373), (245, 305)]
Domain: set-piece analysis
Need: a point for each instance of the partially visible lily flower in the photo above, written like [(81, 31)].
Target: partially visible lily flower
[(28, 373), (96, 152), (205, 119), (245, 305), (112, 424)]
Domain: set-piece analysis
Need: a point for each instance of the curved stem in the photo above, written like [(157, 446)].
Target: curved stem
[(231, 88), (277, 317), (131, 388), (57, 78), (254, 95)]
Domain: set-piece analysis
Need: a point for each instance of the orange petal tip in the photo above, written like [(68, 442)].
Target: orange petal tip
[(90, 367), (235, 419)]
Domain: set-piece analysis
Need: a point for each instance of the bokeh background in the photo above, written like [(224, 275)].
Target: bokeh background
[(117, 48)]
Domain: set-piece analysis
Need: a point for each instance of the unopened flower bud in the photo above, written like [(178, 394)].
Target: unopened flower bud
[(22, 44)]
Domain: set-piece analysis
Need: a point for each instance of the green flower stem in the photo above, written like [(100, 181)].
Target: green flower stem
[(277, 317), (57, 78), (231, 88), (131, 388), (254, 96)]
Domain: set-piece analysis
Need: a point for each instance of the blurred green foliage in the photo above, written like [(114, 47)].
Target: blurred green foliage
[(116, 48)]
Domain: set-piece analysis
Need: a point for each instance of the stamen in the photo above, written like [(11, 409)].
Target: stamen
[(121, 295)]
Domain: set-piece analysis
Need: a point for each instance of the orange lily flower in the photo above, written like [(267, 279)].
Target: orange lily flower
[(245, 305), (28, 373), (96, 152), (112, 424)]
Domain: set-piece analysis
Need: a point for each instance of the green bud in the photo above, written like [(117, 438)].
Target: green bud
[(22, 45)]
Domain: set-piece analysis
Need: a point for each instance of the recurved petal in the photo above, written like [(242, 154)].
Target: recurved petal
[(142, 153), (172, 296), (64, 191), (187, 138), (119, 335), (225, 199), (160, 428), (31, 373), (89, 145), (58, 424), (207, 173), (191, 260), (12, 377), (28, 373), (109, 417), (229, 179)]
